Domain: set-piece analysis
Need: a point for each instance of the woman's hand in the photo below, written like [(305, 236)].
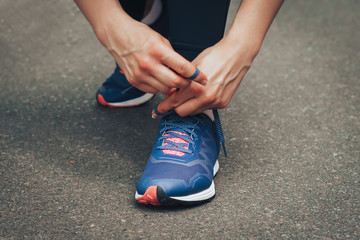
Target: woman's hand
[(226, 63), (147, 59), (224, 68)]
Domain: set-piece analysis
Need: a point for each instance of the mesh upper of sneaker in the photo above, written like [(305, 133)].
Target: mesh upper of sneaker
[(116, 88), (184, 155)]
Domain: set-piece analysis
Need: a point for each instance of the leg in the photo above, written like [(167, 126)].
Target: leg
[(135, 8), (196, 25)]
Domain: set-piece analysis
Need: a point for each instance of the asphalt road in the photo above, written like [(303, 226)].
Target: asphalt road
[(69, 167)]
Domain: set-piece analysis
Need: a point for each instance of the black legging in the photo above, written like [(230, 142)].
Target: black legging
[(193, 24)]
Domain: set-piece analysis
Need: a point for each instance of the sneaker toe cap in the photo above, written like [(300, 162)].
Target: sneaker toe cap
[(174, 187)]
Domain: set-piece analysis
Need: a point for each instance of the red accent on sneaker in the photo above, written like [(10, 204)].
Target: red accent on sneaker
[(120, 71), (175, 140), (149, 197), (102, 101)]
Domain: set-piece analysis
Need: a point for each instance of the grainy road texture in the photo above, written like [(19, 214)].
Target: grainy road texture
[(69, 167)]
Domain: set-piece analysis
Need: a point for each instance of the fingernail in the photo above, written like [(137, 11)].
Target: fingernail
[(153, 115)]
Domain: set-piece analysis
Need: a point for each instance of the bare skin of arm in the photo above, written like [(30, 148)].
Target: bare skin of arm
[(225, 63), (147, 59)]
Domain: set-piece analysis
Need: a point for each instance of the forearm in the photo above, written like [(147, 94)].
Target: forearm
[(250, 25), (99, 13)]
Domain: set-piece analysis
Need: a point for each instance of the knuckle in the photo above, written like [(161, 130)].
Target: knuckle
[(166, 41), (182, 68), (197, 89), (144, 63), (222, 104), (210, 99), (175, 82), (216, 104), (135, 77), (155, 49)]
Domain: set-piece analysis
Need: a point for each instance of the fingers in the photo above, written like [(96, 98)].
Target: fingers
[(191, 107), (184, 68), (147, 88), (172, 91), (151, 86), (201, 102), (152, 83), (173, 101), (194, 100), (167, 104), (159, 67), (161, 77), (178, 98), (169, 78)]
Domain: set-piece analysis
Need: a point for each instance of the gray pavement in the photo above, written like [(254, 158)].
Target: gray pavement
[(69, 167)]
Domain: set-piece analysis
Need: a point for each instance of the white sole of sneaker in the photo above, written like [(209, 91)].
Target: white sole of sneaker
[(200, 196), (203, 195), (133, 102)]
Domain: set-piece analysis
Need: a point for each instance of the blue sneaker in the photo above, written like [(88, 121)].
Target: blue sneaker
[(183, 162), (116, 91)]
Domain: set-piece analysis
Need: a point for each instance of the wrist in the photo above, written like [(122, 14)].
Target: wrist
[(240, 48), (110, 17)]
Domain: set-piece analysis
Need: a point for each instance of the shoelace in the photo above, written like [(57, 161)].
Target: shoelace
[(172, 129), (219, 130), (185, 131)]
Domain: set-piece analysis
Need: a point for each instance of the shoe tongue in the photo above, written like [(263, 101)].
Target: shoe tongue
[(175, 140)]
